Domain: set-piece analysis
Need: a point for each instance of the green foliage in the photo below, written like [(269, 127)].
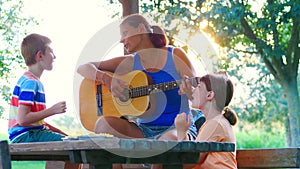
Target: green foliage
[(257, 136), (70, 125), (258, 36), (12, 28), (265, 101)]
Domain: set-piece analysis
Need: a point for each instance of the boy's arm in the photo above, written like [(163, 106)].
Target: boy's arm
[(25, 116)]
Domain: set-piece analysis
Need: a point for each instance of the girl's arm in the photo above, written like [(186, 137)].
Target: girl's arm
[(182, 124)]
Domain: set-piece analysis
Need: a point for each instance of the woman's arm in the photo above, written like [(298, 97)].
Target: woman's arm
[(97, 71), (183, 64), (94, 70), (186, 70)]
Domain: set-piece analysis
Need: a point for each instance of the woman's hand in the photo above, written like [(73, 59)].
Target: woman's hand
[(116, 86), (186, 88)]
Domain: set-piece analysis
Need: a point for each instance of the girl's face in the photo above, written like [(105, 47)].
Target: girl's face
[(200, 96), (130, 37)]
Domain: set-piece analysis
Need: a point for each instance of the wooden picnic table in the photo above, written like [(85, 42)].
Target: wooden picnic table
[(102, 152)]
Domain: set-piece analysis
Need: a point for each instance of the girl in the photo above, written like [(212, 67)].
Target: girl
[(212, 96)]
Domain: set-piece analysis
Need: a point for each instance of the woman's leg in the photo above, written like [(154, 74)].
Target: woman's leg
[(118, 127)]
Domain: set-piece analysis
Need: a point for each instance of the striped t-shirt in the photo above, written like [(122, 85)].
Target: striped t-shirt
[(28, 91)]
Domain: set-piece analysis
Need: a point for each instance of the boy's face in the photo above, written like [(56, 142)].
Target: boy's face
[(47, 58)]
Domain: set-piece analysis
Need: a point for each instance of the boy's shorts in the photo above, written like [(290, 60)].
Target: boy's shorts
[(38, 135)]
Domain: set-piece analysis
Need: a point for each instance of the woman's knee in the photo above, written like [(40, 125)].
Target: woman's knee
[(170, 135), (104, 124)]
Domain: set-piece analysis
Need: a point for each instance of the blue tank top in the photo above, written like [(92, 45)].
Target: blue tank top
[(168, 103)]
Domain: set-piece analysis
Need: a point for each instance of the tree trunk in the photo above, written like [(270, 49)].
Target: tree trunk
[(292, 96), (129, 7)]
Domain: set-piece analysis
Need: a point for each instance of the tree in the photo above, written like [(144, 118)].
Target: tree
[(12, 27), (268, 29)]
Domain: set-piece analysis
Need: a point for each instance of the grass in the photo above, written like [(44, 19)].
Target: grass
[(28, 164), (3, 136)]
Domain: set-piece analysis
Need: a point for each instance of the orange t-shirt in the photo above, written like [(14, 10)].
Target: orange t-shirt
[(217, 129)]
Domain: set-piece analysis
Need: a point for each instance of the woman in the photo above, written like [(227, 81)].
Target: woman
[(212, 96), (147, 50)]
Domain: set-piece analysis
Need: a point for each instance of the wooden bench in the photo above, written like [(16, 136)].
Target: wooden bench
[(103, 152), (269, 158)]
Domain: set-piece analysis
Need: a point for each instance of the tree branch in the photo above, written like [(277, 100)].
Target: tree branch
[(275, 31), (293, 48), (245, 51)]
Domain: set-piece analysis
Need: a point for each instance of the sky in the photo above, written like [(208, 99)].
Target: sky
[(70, 25)]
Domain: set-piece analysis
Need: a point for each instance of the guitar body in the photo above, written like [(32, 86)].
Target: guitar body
[(96, 100)]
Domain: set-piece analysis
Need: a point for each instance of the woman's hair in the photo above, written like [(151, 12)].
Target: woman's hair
[(31, 44), (223, 92), (156, 34)]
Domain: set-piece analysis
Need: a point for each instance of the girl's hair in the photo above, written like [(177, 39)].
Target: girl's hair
[(31, 44), (156, 34), (223, 92)]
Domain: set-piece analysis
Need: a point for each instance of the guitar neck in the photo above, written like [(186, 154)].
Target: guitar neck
[(156, 88)]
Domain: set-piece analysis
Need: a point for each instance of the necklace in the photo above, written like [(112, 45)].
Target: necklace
[(33, 74)]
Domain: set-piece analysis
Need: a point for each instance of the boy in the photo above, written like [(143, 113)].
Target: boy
[(28, 106)]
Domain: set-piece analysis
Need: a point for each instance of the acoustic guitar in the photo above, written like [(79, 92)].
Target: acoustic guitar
[(96, 100)]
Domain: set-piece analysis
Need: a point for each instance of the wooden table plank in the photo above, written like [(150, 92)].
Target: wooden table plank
[(103, 152), (173, 154), (269, 158), (65, 145), (119, 144)]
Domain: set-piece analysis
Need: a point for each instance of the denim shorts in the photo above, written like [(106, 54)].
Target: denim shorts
[(155, 132), (38, 135)]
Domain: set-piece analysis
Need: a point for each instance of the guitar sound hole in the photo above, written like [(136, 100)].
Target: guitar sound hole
[(127, 94)]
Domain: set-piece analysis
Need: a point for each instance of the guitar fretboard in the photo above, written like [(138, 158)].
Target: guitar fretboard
[(156, 88)]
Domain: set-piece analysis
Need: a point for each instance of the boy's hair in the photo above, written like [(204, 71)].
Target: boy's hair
[(30, 46)]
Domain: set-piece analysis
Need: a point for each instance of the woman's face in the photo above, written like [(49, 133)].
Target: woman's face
[(130, 37), (200, 96)]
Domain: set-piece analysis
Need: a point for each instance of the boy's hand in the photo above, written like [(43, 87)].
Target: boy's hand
[(182, 124), (59, 107)]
